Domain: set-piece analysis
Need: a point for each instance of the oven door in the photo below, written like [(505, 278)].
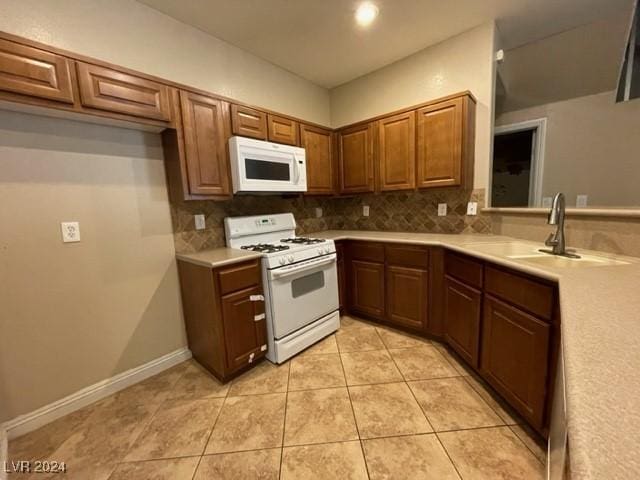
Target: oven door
[(269, 168), (302, 293)]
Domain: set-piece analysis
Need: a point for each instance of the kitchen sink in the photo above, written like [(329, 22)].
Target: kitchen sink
[(547, 260)]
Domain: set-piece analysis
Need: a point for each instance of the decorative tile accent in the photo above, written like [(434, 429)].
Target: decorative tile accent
[(411, 211)]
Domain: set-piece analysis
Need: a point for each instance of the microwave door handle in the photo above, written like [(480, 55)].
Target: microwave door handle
[(296, 168), (303, 268)]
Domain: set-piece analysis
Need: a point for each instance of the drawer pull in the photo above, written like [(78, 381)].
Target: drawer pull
[(251, 357), (256, 298), (257, 318), (263, 348)]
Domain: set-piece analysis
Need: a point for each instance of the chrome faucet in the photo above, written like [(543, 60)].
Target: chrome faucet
[(556, 240)]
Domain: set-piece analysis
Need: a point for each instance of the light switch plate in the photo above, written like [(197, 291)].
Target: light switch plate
[(70, 232), (365, 210), (582, 200), (318, 212), (442, 209), (200, 223), (472, 208)]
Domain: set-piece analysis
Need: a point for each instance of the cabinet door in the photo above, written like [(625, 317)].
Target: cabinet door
[(515, 356), (245, 332), (119, 92), (282, 130), (205, 140), (248, 122), (407, 295), (318, 146), (29, 71), (462, 319), (355, 149), (396, 147), (367, 288), (440, 144)]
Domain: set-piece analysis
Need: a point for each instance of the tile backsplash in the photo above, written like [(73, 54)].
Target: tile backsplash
[(414, 211)]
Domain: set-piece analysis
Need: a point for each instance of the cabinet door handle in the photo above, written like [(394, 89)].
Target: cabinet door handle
[(257, 318), (256, 298)]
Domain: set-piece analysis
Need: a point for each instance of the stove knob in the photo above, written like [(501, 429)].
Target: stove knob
[(282, 260), (290, 258)]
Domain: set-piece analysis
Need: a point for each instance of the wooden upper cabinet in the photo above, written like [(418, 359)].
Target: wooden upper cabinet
[(318, 145), (355, 151), (282, 130), (33, 72), (248, 122), (397, 152), (205, 140), (114, 91), (445, 143)]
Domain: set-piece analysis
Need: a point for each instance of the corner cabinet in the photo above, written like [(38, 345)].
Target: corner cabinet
[(445, 143), (318, 144), (355, 155), (224, 315)]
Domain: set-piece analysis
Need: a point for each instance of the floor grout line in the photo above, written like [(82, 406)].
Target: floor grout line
[(284, 421), (355, 421)]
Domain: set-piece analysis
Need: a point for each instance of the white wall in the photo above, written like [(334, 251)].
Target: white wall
[(133, 35), (464, 62), (74, 314)]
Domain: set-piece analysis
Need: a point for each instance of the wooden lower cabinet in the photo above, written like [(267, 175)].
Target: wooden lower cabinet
[(244, 337), (226, 331), (367, 288), (462, 319), (407, 294), (515, 357)]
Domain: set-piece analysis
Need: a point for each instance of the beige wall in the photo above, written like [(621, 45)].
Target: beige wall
[(464, 62), (77, 313), (131, 34), (592, 146)]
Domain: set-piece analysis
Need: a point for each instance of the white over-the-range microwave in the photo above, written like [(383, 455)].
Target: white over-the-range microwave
[(264, 167)]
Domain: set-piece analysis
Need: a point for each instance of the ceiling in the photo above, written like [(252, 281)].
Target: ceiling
[(319, 40), (582, 61)]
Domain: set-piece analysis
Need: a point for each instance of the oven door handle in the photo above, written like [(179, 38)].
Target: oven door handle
[(303, 268)]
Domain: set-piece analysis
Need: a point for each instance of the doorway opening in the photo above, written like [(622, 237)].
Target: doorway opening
[(517, 166)]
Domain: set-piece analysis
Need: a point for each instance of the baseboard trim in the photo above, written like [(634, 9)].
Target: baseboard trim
[(47, 414), (4, 455)]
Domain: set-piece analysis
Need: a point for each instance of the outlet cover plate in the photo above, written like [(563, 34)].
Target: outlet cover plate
[(318, 212), (442, 209), (70, 232), (200, 223), (472, 208), (582, 200), (365, 210)]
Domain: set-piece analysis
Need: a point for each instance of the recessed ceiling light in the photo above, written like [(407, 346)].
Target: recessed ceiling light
[(366, 13)]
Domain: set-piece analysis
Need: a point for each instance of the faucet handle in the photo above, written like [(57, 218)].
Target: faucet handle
[(551, 241)]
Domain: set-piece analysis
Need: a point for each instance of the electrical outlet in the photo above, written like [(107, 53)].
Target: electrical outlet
[(472, 208), (200, 223), (365, 210), (442, 209), (70, 231), (582, 200), (318, 212), (546, 202)]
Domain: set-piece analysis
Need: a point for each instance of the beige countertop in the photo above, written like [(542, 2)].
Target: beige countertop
[(600, 309), (217, 257)]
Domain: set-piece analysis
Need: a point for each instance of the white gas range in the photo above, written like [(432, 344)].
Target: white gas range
[(299, 277)]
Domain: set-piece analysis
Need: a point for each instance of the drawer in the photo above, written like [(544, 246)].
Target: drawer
[(463, 268), (409, 256), (369, 251), (529, 294), (120, 92), (239, 276)]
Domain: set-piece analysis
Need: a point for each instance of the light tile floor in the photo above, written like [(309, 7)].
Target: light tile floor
[(367, 402)]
